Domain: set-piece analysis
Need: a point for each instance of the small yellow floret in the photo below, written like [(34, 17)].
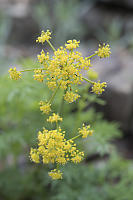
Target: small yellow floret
[(39, 75), (54, 118), (43, 57), (45, 36), (55, 174), (72, 44), (85, 131), (103, 51), (97, 88), (78, 158), (14, 74), (34, 155), (51, 85), (45, 107), (71, 97)]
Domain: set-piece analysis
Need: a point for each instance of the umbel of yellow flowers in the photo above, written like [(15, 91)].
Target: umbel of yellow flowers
[(61, 71), (54, 148)]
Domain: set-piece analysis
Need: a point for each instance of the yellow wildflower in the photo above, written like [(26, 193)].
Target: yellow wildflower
[(45, 36), (54, 118), (64, 68), (53, 147), (71, 97), (45, 107), (103, 51), (97, 88), (14, 74), (78, 158), (55, 174), (51, 85), (85, 131), (72, 44), (34, 155), (43, 57), (39, 75)]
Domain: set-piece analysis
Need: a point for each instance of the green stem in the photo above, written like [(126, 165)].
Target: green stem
[(89, 81), (51, 45), (92, 55), (28, 70), (57, 125), (53, 95), (77, 136), (61, 105), (57, 166)]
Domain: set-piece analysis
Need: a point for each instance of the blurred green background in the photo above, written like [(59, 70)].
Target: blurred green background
[(107, 171)]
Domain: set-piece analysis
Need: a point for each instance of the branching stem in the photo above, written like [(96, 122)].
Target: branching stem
[(89, 81), (51, 45)]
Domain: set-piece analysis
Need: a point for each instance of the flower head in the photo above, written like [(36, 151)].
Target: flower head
[(85, 131), (55, 174), (54, 118), (51, 85), (45, 107), (103, 51), (45, 36), (43, 57), (98, 88), (54, 148), (72, 44), (14, 74), (71, 97), (34, 155), (65, 67), (39, 75)]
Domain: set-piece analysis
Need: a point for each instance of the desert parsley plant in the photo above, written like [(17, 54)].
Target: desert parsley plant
[(62, 71)]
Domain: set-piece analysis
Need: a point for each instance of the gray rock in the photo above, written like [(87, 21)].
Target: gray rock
[(117, 71), (23, 28)]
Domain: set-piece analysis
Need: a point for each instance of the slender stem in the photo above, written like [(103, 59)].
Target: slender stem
[(92, 82), (53, 95), (57, 125), (51, 45), (61, 105), (57, 166), (28, 70), (77, 136), (92, 55)]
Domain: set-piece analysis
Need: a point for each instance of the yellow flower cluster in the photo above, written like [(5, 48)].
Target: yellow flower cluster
[(45, 107), (54, 118), (63, 70), (34, 155), (72, 44), (55, 174), (65, 66), (85, 131), (54, 148), (103, 51), (45, 36), (98, 88), (51, 85), (43, 57), (39, 75), (71, 97), (14, 74)]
